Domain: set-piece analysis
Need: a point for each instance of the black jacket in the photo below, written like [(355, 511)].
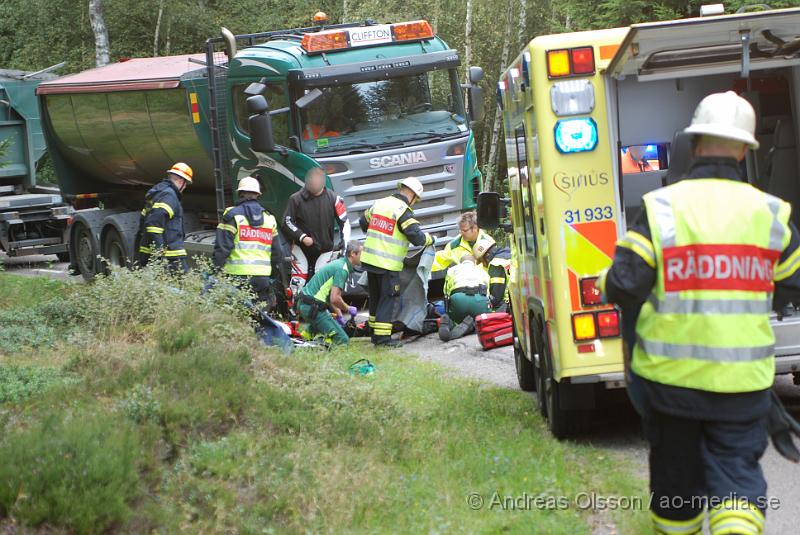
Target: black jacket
[(161, 224), (497, 290), (315, 216), (629, 282)]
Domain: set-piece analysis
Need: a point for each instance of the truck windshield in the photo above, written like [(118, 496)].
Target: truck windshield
[(383, 113)]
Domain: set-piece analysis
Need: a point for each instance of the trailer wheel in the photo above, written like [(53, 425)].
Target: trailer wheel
[(114, 249), (85, 253)]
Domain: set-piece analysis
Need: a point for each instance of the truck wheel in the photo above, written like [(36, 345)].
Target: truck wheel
[(525, 373), (85, 253), (114, 249)]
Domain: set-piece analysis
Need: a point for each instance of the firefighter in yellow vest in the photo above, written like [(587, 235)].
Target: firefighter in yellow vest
[(695, 277), (462, 245), (497, 261), (390, 227), (247, 238)]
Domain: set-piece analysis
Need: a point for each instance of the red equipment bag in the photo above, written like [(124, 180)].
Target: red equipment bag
[(494, 330)]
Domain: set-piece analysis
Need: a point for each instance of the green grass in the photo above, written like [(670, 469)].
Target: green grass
[(169, 417)]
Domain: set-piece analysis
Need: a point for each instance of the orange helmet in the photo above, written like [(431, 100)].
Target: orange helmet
[(182, 170)]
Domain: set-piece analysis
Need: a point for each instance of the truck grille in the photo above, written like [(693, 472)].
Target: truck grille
[(386, 177)]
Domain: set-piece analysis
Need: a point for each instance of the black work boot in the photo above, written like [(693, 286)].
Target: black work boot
[(444, 328), (464, 328)]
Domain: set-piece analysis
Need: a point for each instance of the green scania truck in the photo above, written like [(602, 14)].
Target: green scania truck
[(370, 103)]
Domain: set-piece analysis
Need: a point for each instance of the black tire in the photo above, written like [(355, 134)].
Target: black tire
[(537, 348), (114, 253), (85, 251), (525, 373), (562, 423)]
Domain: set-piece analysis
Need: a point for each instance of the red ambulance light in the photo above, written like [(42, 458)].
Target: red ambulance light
[(608, 324), (324, 41), (586, 348), (415, 30), (590, 295), (582, 60)]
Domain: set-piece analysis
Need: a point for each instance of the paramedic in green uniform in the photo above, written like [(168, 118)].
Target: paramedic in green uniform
[(321, 297), (466, 288)]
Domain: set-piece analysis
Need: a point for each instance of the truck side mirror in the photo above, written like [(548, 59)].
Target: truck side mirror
[(475, 103), (257, 104), (262, 138), (490, 210), (475, 75)]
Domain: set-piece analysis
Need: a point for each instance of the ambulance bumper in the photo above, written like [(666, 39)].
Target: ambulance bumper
[(611, 379)]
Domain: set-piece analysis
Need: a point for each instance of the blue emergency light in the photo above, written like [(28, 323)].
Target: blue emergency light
[(576, 135)]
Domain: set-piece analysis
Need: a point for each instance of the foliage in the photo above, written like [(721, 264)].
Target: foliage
[(18, 383), (4, 145), (79, 473), (192, 426)]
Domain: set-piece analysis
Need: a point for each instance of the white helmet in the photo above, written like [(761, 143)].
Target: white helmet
[(413, 184), (484, 243), (250, 184), (727, 116)]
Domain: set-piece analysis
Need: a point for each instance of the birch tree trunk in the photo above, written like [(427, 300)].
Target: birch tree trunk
[(345, 11), (158, 27), (468, 39), (169, 29), (523, 22), (101, 43), (491, 168)]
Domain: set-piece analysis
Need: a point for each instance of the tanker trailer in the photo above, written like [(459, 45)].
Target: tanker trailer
[(255, 104), (33, 218)]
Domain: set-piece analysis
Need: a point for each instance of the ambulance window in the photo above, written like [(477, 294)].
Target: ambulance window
[(528, 215), (643, 158)]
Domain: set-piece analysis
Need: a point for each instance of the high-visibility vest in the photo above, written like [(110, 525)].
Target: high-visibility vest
[(385, 245), (252, 247), (466, 276), (706, 323)]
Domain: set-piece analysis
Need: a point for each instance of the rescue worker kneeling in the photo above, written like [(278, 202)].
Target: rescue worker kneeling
[(497, 261), (466, 289), (246, 240), (321, 297)]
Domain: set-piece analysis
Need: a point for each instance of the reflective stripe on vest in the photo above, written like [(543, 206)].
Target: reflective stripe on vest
[(252, 248), (385, 245), (706, 323)]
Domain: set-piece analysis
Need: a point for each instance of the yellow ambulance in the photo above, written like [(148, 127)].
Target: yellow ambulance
[(592, 122)]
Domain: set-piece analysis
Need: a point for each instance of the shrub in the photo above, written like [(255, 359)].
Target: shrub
[(79, 474), (18, 383), (24, 328), (140, 405)]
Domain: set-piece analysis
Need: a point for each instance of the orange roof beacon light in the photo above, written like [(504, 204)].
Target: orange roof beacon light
[(324, 41), (320, 18), (415, 30), (366, 35)]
